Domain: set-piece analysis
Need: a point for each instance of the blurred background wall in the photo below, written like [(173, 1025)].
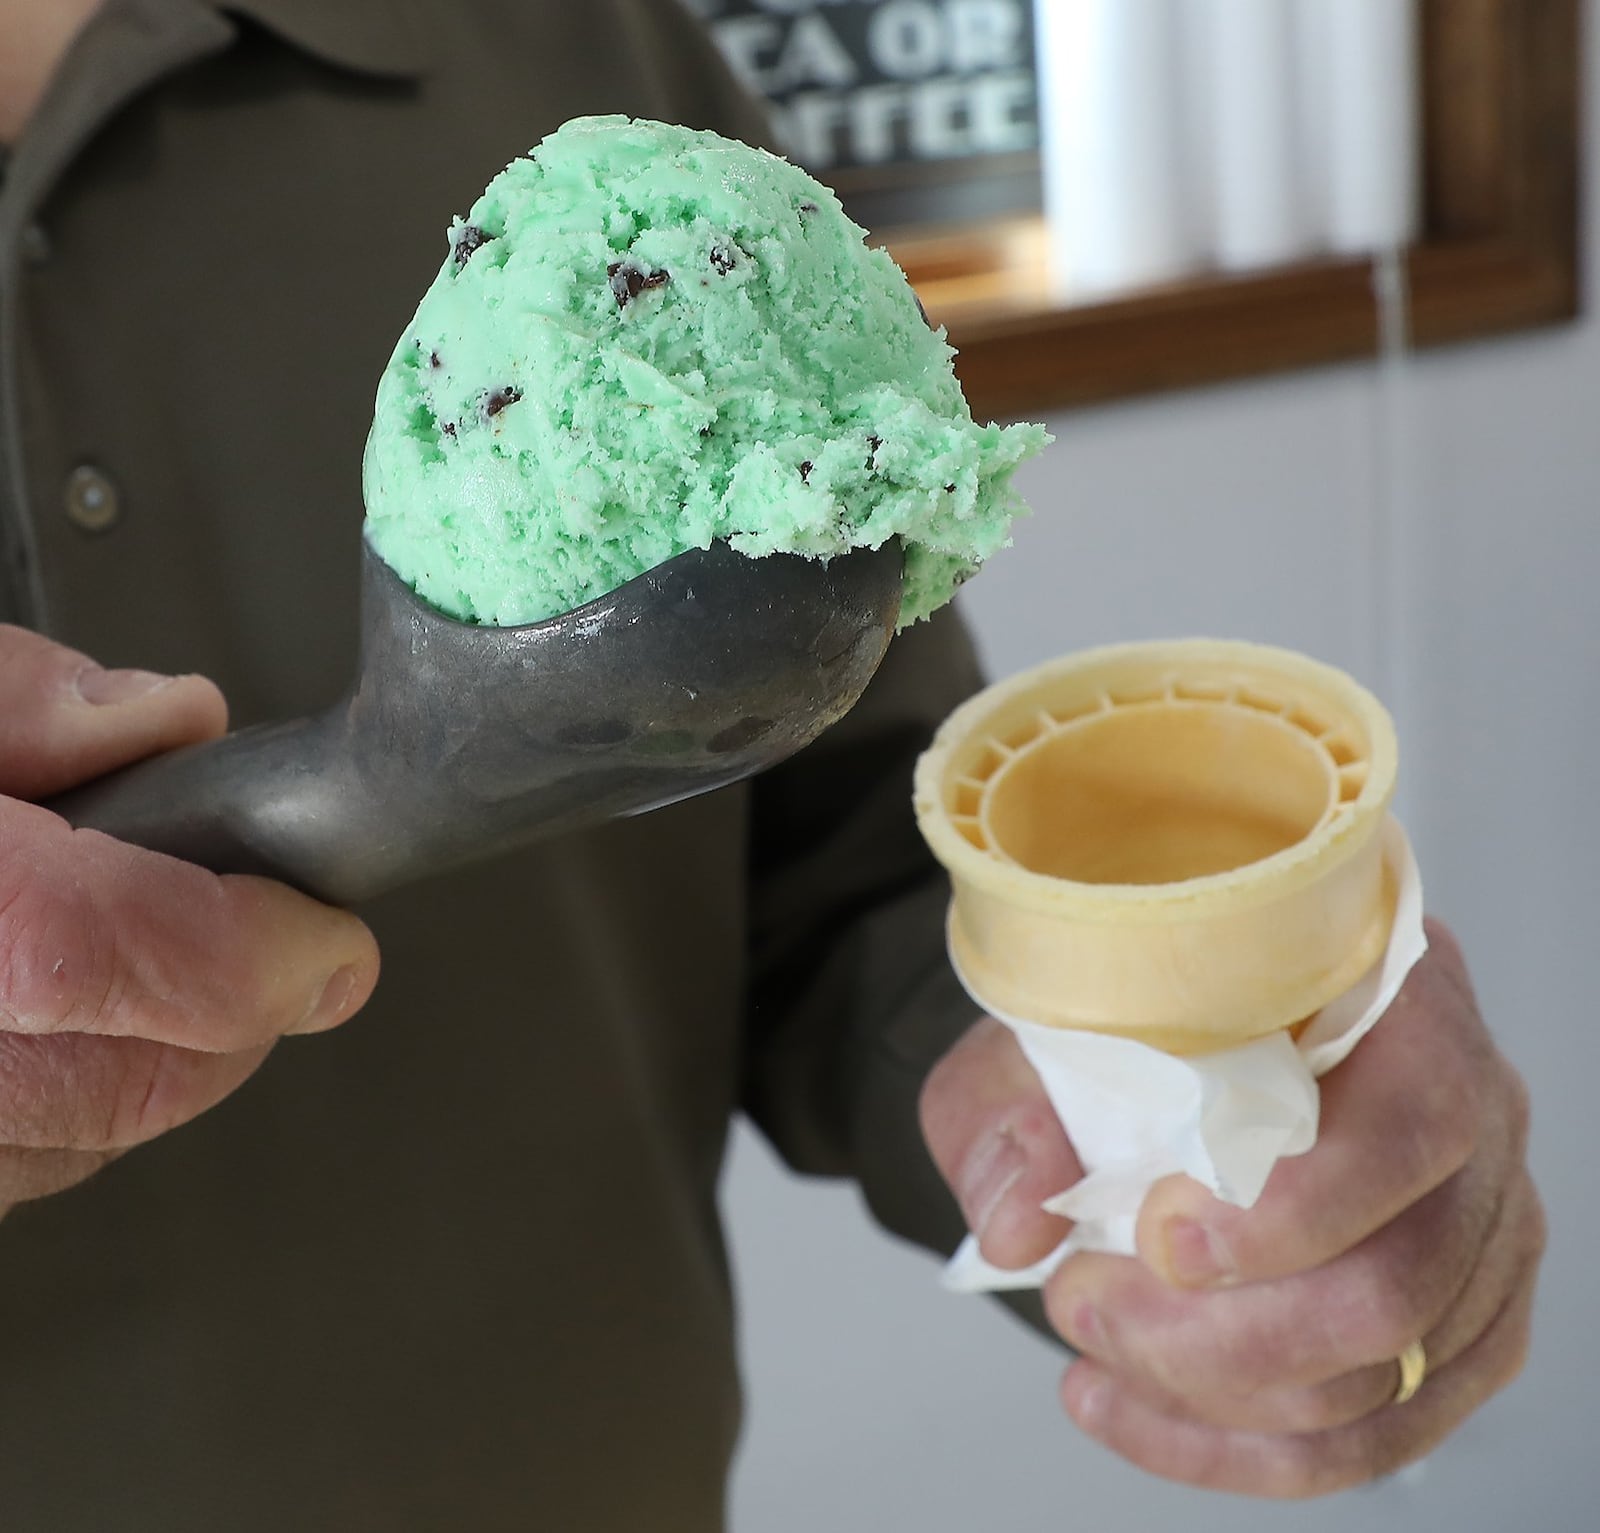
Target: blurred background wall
[(1433, 525)]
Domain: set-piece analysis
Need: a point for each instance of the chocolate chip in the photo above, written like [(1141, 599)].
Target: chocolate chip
[(467, 241), (495, 401), (805, 471), (807, 207), (723, 259), (628, 281), (949, 489), (449, 429), (433, 359)]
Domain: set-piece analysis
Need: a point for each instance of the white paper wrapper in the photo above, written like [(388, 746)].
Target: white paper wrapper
[(1135, 1114)]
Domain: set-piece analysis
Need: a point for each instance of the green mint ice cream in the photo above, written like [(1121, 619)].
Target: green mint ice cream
[(645, 338)]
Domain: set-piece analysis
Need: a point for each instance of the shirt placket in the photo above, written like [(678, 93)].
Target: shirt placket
[(125, 48), (18, 596)]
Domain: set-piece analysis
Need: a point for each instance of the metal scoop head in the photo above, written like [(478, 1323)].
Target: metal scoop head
[(459, 741)]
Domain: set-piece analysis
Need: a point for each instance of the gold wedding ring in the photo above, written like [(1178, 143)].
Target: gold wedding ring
[(1413, 1370)]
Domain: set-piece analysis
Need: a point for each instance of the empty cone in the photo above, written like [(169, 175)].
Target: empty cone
[(1176, 842)]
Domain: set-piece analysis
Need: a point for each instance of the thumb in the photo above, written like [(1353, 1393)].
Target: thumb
[(64, 720), (998, 1143)]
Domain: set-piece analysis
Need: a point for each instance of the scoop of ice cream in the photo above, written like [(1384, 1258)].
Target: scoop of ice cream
[(645, 338)]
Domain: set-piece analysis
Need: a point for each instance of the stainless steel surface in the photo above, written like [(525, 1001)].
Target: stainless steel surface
[(458, 741)]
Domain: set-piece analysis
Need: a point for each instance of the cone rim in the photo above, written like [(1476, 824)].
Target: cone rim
[(1328, 846)]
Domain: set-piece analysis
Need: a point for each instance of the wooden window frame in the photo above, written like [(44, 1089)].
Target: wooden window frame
[(1498, 253)]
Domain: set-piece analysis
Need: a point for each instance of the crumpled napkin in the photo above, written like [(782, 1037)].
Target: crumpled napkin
[(1135, 1114)]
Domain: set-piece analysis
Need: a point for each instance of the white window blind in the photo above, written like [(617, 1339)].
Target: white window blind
[(1185, 135)]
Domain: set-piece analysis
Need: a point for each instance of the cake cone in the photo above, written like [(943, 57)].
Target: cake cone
[(1175, 842)]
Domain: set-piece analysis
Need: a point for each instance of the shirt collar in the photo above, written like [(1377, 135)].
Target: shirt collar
[(128, 44), (375, 37)]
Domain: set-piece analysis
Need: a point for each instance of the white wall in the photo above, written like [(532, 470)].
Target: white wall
[(878, 1401)]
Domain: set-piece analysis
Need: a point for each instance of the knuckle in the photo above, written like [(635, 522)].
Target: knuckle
[(54, 1092), (1248, 1342), (1390, 1306), (151, 1093), (29, 665), (1303, 1412), (1192, 1360), (127, 1113), (31, 1103), (1519, 1106), (1095, 1304), (1032, 1123), (1322, 1408), (975, 1092), (74, 1093), (1086, 1329), (1447, 1118), (1293, 1412), (55, 953), (1299, 1470)]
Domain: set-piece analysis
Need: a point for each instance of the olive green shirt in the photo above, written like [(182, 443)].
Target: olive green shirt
[(456, 1266)]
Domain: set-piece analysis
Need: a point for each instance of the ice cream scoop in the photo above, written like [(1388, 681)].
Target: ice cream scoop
[(457, 741), (663, 458), (642, 338)]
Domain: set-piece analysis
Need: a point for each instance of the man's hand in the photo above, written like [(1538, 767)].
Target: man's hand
[(135, 990), (1255, 1350)]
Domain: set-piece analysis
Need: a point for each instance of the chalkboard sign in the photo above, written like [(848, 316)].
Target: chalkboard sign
[(916, 112)]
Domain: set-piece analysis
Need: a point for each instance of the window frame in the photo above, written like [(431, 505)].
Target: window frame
[(1498, 253)]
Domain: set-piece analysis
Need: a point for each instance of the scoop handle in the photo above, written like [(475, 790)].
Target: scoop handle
[(459, 742), (280, 800)]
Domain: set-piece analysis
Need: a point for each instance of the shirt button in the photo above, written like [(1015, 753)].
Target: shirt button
[(92, 500), (35, 245)]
